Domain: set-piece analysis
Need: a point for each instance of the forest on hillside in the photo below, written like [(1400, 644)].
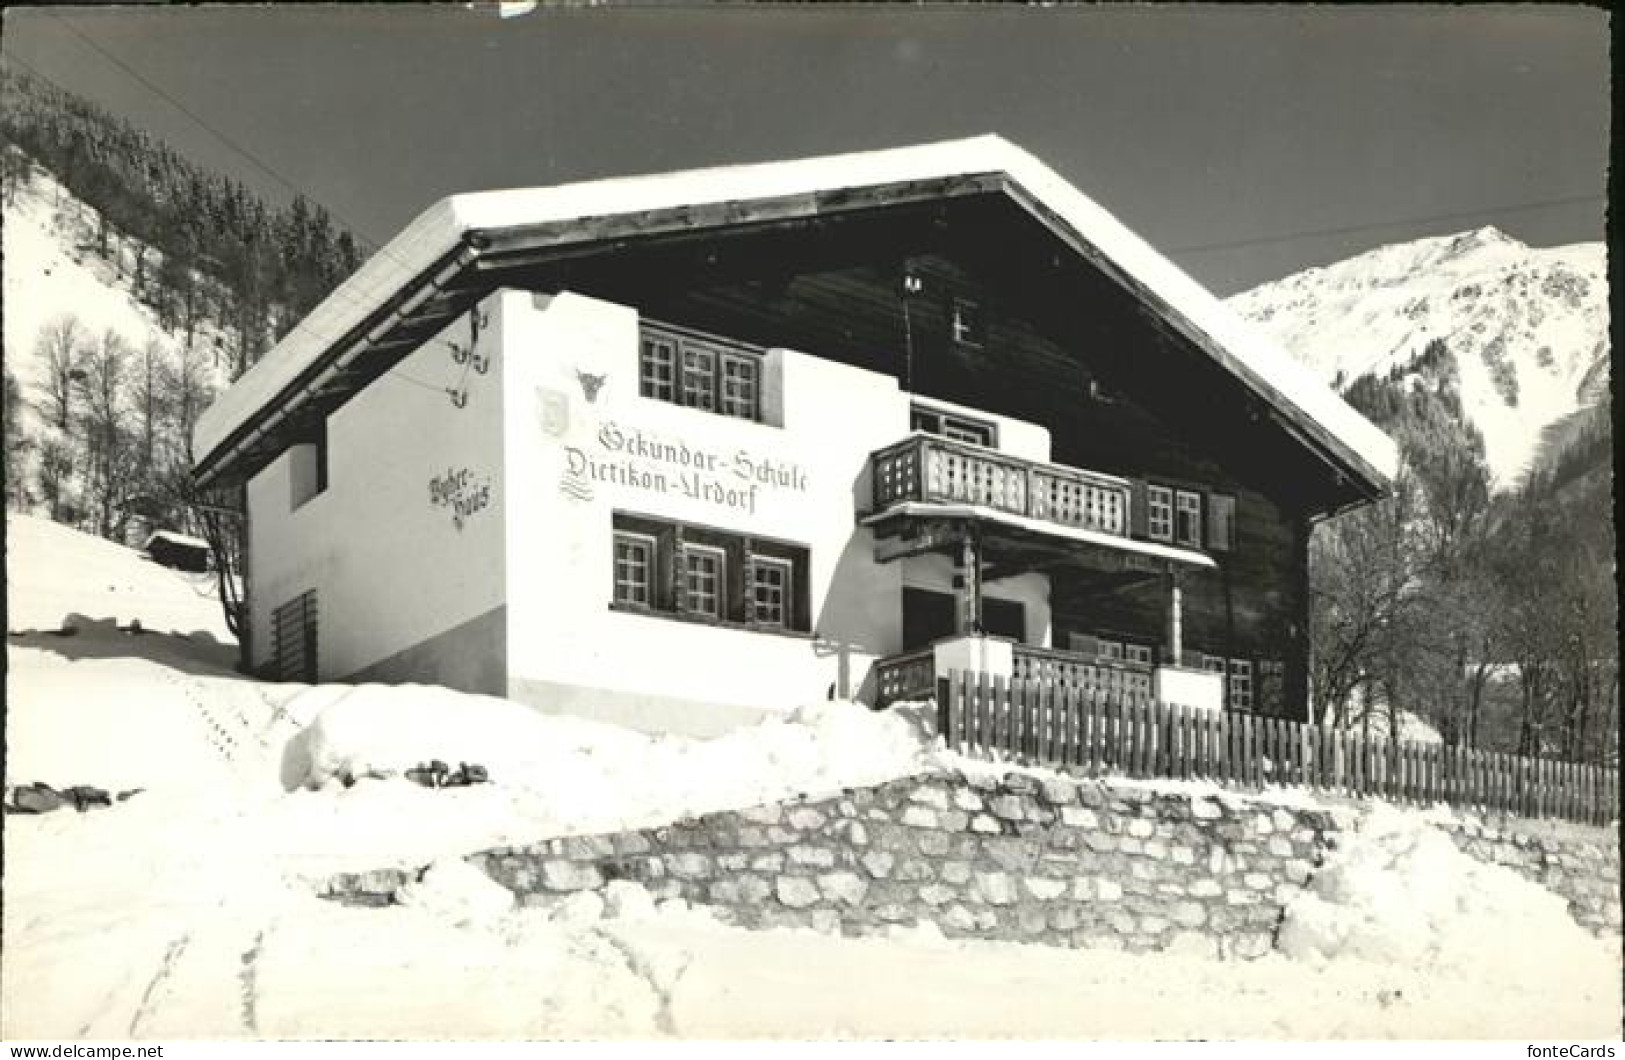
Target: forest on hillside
[(1492, 616), (219, 250)]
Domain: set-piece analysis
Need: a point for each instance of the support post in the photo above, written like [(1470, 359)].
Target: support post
[(1176, 631), (970, 577)]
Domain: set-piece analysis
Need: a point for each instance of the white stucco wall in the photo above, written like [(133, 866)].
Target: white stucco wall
[(392, 559), (568, 649)]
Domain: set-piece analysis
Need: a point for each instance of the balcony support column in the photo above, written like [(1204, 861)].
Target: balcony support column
[(1176, 619), (970, 581)]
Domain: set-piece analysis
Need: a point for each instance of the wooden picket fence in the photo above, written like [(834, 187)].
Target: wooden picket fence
[(1100, 732)]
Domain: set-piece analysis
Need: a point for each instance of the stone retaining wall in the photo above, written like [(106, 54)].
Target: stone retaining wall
[(1054, 860)]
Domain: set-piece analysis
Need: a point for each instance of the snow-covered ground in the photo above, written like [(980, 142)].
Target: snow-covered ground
[(189, 911)]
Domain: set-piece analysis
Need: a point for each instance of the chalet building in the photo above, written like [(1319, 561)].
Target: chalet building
[(681, 451)]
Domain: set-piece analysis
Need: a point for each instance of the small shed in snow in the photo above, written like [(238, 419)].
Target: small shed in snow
[(178, 550)]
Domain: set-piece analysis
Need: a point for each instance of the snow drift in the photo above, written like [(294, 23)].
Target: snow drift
[(1400, 892)]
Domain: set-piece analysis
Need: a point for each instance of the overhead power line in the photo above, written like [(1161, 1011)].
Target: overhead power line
[(237, 148), (396, 373), (1521, 207)]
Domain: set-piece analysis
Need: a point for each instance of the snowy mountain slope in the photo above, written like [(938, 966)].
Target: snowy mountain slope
[(1527, 327)]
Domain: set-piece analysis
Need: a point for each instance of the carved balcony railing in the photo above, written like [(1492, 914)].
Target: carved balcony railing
[(909, 676), (930, 469), (914, 675), (1086, 672)]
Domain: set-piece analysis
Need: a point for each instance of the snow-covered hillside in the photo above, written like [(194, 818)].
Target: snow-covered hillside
[(190, 910), (1528, 327), (52, 268)]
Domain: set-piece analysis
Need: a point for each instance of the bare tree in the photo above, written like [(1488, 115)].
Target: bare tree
[(146, 391), (60, 347), (16, 445), (110, 459), (56, 466), (1362, 589), (187, 391)]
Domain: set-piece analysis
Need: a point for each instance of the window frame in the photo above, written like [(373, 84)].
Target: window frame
[(733, 558), (1188, 503), (939, 422), (757, 563), (650, 363), (651, 546), (692, 396), (701, 372), (1159, 500), (692, 550), (1239, 688), (752, 377)]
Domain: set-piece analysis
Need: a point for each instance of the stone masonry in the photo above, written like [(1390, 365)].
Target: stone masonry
[(1056, 861), (1051, 860)]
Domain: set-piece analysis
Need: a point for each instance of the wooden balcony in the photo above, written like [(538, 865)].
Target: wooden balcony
[(931, 470), (914, 675)]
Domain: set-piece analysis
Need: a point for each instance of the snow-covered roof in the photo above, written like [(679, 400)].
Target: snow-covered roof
[(438, 233)]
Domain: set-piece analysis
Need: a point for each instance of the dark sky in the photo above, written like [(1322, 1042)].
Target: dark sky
[(1227, 136)]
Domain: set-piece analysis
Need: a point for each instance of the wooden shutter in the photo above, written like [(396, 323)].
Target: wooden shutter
[(293, 639), (745, 583), (800, 615), (1221, 522), (677, 569), (1138, 509)]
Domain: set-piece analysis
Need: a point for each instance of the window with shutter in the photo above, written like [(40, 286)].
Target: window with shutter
[(708, 575), (634, 569), (704, 580), (1138, 508), (1188, 518), (707, 373), (1159, 513), (770, 594)]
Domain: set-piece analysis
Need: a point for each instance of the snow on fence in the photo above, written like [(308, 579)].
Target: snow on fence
[(1098, 731)]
